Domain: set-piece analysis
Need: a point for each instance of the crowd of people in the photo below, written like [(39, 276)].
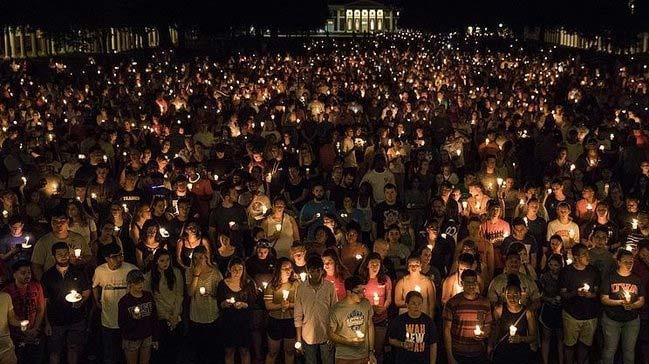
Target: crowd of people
[(404, 198)]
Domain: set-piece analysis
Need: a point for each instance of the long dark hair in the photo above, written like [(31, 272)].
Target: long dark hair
[(276, 281), (244, 281), (341, 271), (169, 272), (364, 270)]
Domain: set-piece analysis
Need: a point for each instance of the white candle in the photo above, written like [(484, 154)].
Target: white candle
[(634, 224), (278, 227), (464, 205), (231, 224), (163, 232), (589, 207), (303, 276), (512, 330), (521, 202), (572, 167), (586, 287), (376, 298), (298, 345), (5, 214), (418, 289), (190, 186), (499, 181), (264, 284), (23, 325), (26, 244), (477, 331), (627, 295), (359, 257), (285, 294), (359, 334), (125, 207), (136, 310), (73, 296), (568, 261), (201, 290), (77, 253), (231, 300)]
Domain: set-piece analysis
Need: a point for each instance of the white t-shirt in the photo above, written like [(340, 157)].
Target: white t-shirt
[(5, 340), (113, 288), (378, 182)]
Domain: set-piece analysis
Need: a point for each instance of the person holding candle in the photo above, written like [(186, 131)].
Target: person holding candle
[(623, 295), (235, 294), (16, 244), (150, 242), (585, 208), (227, 249), (65, 322), (550, 314), (312, 213), (378, 291), (279, 298), (188, 242), (413, 334), (564, 226), (165, 282), (515, 329), (350, 327), (108, 287), (530, 296), (42, 259), (203, 306), (281, 228), (353, 248), (463, 314), (29, 306), (452, 284), (336, 273), (415, 281), (313, 300), (137, 319)]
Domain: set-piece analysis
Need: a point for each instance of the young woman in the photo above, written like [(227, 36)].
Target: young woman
[(189, 241), (226, 251), (235, 294), (353, 251), (80, 222), (137, 319), (281, 228), (336, 272), (107, 236), (550, 316), (121, 221), (202, 281), (142, 214), (279, 297), (555, 248), (415, 281), (165, 282), (149, 243), (378, 290), (515, 330)]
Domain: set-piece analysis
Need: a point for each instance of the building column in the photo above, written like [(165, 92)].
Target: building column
[(32, 38), (21, 41)]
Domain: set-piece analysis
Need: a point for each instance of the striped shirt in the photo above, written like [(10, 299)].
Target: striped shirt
[(463, 315)]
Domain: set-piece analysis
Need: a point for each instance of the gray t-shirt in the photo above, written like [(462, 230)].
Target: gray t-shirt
[(348, 319)]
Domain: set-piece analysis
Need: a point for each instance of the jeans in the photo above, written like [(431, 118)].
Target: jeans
[(111, 342), (326, 353), (612, 331)]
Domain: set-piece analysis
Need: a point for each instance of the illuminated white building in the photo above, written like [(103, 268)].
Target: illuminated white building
[(361, 16)]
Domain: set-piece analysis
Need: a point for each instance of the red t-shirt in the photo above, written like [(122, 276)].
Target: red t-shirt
[(26, 301), (373, 286), (339, 285)]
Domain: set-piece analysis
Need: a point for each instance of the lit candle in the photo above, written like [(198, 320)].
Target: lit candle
[(418, 289), (163, 232), (477, 331), (585, 288), (376, 298), (93, 196), (464, 205), (458, 152), (359, 334), (231, 300), (499, 181), (285, 294), (572, 167), (278, 227), (512, 330), (26, 244), (634, 224), (568, 261), (571, 233), (125, 207), (298, 345), (5, 214), (606, 188), (589, 207), (23, 325), (231, 224), (359, 257), (303, 276), (77, 253), (136, 310), (73, 296), (521, 202), (201, 290), (627, 296), (190, 186), (264, 284)]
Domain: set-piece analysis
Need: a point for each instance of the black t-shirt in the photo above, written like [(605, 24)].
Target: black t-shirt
[(385, 215), (614, 285), (56, 286), (420, 331), (221, 216), (528, 241), (571, 279), (130, 198)]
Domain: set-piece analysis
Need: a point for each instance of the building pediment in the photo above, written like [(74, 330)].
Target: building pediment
[(359, 4)]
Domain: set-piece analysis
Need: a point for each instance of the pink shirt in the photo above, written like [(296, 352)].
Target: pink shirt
[(381, 290), (339, 285)]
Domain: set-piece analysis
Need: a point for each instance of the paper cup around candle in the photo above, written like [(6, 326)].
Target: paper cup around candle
[(23, 325), (477, 331), (278, 227), (360, 334), (201, 290), (285, 294), (358, 257), (512, 330), (298, 345), (418, 289), (303, 276), (376, 298), (77, 253)]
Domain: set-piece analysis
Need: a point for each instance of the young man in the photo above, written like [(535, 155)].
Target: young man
[(313, 300), (579, 285), (350, 325), (564, 226), (42, 258), (65, 322), (108, 287), (313, 212), (623, 295), (29, 306), (387, 212), (463, 314), (413, 334)]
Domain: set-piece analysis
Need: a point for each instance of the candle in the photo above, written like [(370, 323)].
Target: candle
[(458, 152), (190, 186), (77, 253), (163, 232), (231, 300), (477, 331), (376, 298), (136, 310), (589, 207), (499, 181), (303, 276), (512, 330), (571, 233), (634, 224), (521, 202), (5, 214), (586, 287), (231, 224), (549, 191), (73, 297), (278, 227), (298, 345), (572, 167), (568, 261), (359, 257), (26, 244), (627, 295), (359, 334), (606, 187), (464, 205), (264, 284), (418, 289), (201, 290), (23, 325)]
